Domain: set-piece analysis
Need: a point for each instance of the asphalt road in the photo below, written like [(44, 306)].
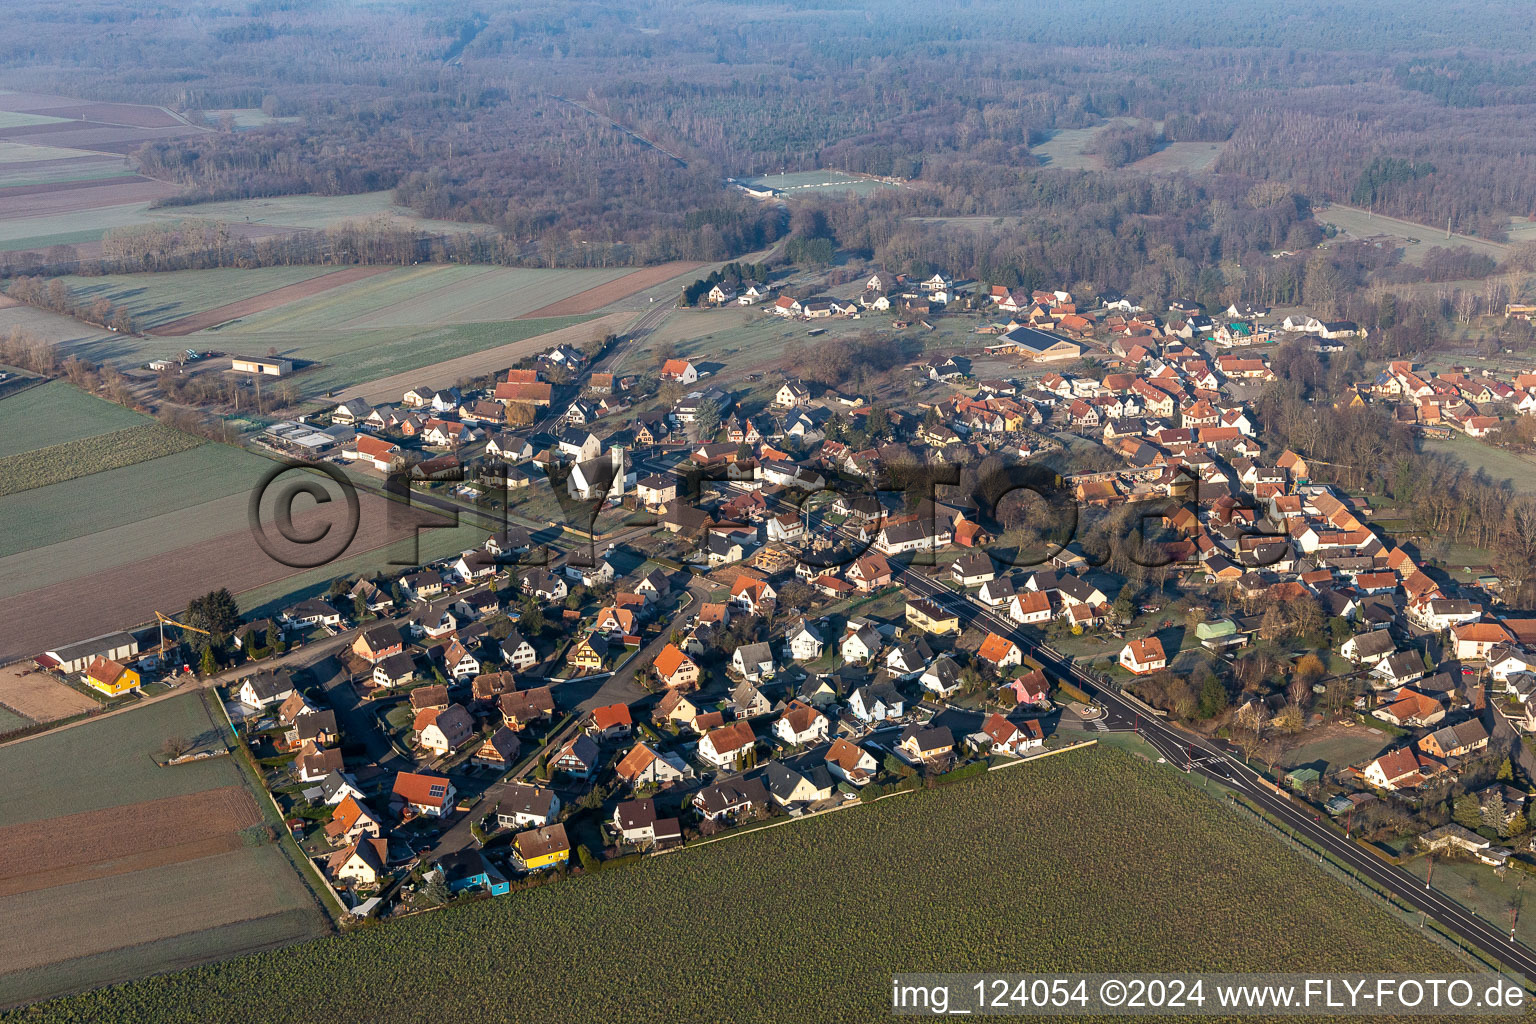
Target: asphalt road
[(1195, 754)]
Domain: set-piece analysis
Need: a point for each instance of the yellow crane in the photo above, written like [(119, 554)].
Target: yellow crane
[(161, 619)]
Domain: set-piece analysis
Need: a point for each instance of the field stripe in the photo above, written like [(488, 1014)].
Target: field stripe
[(87, 456), (266, 300), (303, 310), (593, 299)]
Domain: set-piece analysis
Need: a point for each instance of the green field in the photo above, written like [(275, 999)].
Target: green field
[(1084, 862), (1500, 463), (303, 211), (802, 184), (15, 119), (120, 497), (154, 299), (357, 357), (108, 763), (101, 453), (56, 412)]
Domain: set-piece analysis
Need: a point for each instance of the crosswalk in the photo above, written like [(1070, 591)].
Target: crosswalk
[(1097, 725)]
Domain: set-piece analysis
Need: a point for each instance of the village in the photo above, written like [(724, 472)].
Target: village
[(714, 602)]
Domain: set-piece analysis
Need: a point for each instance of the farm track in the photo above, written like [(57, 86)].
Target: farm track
[(265, 301), (119, 840)]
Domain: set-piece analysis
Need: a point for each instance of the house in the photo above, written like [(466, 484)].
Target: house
[(522, 805), (360, 865), (464, 870), (588, 653), (428, 795), (579, 757), (376, 452), (1143, 656), (1455, 740), (792, 395), (675, 669), (544, 847), (313, 612), (426, 697), (395, 670), (851, 763), (1005, 737), (930, 618), (444, 730), (731, 798), (801, 724), (1396, 770), (316, 763), (110, 677), (611, 722), (723, 746), (926, 743), (1397, 670), (1473, 640), (906, 660), (870, 572), (352, 821), (1030, 690), (753, 596), (317, 727), (1368, 648), (1411, 709), (500, 751), (861, 643), (1030, 607), (753, 661), (805, 644), (942, 677), (635, 821), (973, 569), (378, 642), (795, 787), (643, 766), (265, 689), (997, 592), (1000, 652)]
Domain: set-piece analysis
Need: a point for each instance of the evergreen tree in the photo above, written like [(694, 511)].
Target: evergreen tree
[(210, 662), (1468, 813)]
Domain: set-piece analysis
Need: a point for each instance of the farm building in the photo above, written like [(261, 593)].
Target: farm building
[(264, 366)]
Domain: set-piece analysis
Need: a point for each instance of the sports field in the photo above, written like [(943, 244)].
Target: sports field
[(116, 862), (1075, 863)]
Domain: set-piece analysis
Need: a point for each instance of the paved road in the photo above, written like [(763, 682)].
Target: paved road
[(1214, 760)]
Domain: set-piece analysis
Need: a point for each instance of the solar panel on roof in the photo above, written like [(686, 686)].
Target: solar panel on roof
[(437, 791)]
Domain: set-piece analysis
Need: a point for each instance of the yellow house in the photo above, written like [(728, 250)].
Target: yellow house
[(543, 847), (588, 653), (930, 618), (111, 678)]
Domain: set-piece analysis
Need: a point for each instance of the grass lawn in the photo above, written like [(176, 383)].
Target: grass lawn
[(1339, 747), (1122, 865), (56, 412), (1500, 463)]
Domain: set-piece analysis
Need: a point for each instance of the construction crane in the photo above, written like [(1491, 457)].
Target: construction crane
[(161, 619)]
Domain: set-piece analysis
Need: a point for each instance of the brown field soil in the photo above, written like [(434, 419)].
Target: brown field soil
[(99, 844), (89, 135), (450, 371), (38, 696), (594, 299), (266, 300), (100, 914), (6, 192), (129, 594), (134, 114), (57, 200)]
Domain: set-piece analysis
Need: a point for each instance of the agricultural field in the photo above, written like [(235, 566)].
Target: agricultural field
[(1206, 889), (156, 299), (87, 216), (88, 455), (125, 868), (1064, 149), (1415, 240), (56, 412), (799, 184), (32, 695)]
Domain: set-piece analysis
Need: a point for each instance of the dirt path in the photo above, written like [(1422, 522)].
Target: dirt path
[(265, 301)]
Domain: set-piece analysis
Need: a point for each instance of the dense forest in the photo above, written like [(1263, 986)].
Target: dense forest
[(591, 132)]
